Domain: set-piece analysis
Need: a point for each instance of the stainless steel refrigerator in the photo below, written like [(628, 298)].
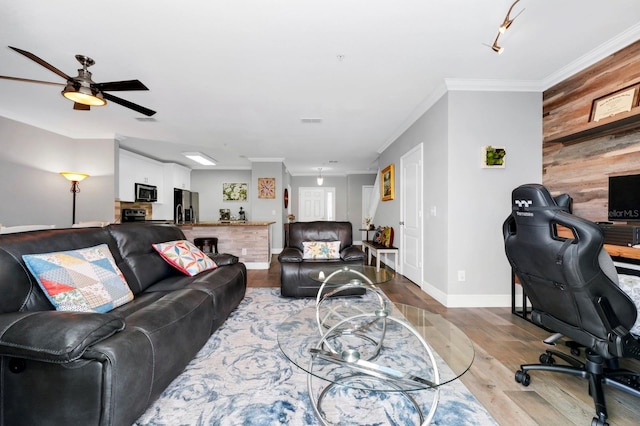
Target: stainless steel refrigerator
[(186, 206)]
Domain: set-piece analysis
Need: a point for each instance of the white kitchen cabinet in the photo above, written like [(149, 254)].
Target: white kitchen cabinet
[(134, 168), (175, 176)]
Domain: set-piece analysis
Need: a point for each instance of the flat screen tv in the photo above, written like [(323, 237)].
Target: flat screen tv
[(624, 198)]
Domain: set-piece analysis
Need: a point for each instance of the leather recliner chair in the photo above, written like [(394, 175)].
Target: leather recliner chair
[(295, 269)]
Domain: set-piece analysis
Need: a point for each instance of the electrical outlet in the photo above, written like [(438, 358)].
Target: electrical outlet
[(244, 251), (462, 276)]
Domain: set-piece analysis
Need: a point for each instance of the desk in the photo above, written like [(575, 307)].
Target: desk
[(618, 253)]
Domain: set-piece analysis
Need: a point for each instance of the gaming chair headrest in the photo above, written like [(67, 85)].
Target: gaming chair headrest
[(533, 204), (565, 201)]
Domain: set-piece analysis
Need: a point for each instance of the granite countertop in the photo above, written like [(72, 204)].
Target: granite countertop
[(230, 223)]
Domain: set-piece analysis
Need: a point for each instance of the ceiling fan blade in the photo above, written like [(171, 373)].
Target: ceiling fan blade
[(28, 80), (81, 107), (41, 62), (130, 105), (114, 86)]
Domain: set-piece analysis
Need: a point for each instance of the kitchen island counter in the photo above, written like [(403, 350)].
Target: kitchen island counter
[(250, 241)]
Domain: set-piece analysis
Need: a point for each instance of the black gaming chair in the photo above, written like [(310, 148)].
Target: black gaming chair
[(573, 288)]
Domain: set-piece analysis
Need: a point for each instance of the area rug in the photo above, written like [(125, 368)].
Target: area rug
[(241, 377)]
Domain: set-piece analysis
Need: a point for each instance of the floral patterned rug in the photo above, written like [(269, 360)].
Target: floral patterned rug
[(241, 377)]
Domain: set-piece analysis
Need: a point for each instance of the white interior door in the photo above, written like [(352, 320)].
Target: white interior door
[(411, 215), (316, 203)]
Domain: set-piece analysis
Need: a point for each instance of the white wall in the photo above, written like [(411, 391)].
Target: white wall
[(269, 209), (471, 203), (30, 184), (480, 199), (208, 183)]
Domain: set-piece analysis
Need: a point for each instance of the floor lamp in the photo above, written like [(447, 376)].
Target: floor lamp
[(75, 179)]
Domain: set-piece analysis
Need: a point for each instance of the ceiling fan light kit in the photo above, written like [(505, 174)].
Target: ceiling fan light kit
[(83, 95), (82, 90)]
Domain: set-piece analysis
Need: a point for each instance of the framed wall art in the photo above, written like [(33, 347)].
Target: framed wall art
[(266, 187), (493, 157), (234, 191), (615, 103), (388, 186)]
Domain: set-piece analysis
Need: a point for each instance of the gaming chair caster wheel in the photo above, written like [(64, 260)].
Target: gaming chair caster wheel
[(523, 378), (597, 422), (547, 359)]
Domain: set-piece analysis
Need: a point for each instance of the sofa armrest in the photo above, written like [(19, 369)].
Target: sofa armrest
[(290, 255), (352, 253), (54, 336), (223, 259)]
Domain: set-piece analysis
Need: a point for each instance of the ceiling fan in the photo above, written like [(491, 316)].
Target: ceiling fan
[(82, 90)]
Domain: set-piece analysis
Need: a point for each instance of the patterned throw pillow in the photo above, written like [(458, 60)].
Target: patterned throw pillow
[(378, 235), (185, 257), (386, 239), (84, 280), (321, 250)]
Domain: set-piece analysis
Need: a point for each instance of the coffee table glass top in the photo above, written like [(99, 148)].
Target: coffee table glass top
[(345, 274), (351, 328)]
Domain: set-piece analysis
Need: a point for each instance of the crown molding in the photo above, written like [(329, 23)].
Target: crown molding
[(622, 40), (265, 160), (482, 85), (422, 107)]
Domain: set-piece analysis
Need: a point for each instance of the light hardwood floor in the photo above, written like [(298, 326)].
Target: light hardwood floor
[(502, 342)]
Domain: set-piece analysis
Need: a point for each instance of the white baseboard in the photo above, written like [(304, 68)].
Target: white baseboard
[(257, 265), (467, 300)]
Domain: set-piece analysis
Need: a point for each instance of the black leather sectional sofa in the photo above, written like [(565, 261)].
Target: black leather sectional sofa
[(72, 368)]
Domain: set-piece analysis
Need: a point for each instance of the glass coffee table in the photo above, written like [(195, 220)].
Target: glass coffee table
[(375, 359), (341, 276)]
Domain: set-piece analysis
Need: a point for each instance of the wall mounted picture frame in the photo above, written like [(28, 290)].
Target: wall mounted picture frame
[(388, 186), (614, 103), (234, 191), (266, 187), (493, 157)]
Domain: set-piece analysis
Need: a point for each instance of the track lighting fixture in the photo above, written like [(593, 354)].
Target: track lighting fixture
[(506, 23)]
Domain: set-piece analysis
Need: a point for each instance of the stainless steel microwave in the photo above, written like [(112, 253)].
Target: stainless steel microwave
[(148, 193)]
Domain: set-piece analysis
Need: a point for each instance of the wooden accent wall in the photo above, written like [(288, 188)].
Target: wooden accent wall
[(582, 170), (579, 157), (566, 107)]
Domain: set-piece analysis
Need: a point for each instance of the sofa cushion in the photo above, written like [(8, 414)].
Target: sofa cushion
[(321, 250), (82, 280), (185, 257), (52, 336)]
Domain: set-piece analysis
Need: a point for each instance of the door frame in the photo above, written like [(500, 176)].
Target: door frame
[(403, 198)]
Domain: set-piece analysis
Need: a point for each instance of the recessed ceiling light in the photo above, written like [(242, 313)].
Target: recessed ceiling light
[(311, 120), (201, 158)]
